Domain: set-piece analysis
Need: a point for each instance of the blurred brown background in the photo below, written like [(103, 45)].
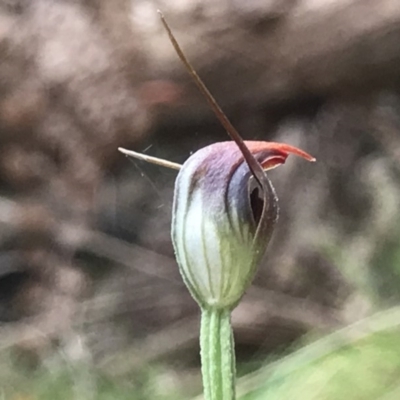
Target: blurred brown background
[(86, 261)]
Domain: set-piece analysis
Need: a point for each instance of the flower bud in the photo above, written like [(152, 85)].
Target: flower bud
[(220, 225)]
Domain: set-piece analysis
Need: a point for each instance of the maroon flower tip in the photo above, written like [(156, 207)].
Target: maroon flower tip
[(272, 154)]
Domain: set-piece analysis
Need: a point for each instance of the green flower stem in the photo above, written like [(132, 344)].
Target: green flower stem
[(217, 355)]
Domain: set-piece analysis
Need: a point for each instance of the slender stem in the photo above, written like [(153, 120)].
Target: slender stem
[(217, 355)]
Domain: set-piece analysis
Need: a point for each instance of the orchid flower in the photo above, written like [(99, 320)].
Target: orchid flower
[(224, 212), (219, 229)]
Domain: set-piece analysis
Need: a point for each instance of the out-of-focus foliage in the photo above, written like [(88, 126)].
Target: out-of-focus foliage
[(72, 382), (360, 362)]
